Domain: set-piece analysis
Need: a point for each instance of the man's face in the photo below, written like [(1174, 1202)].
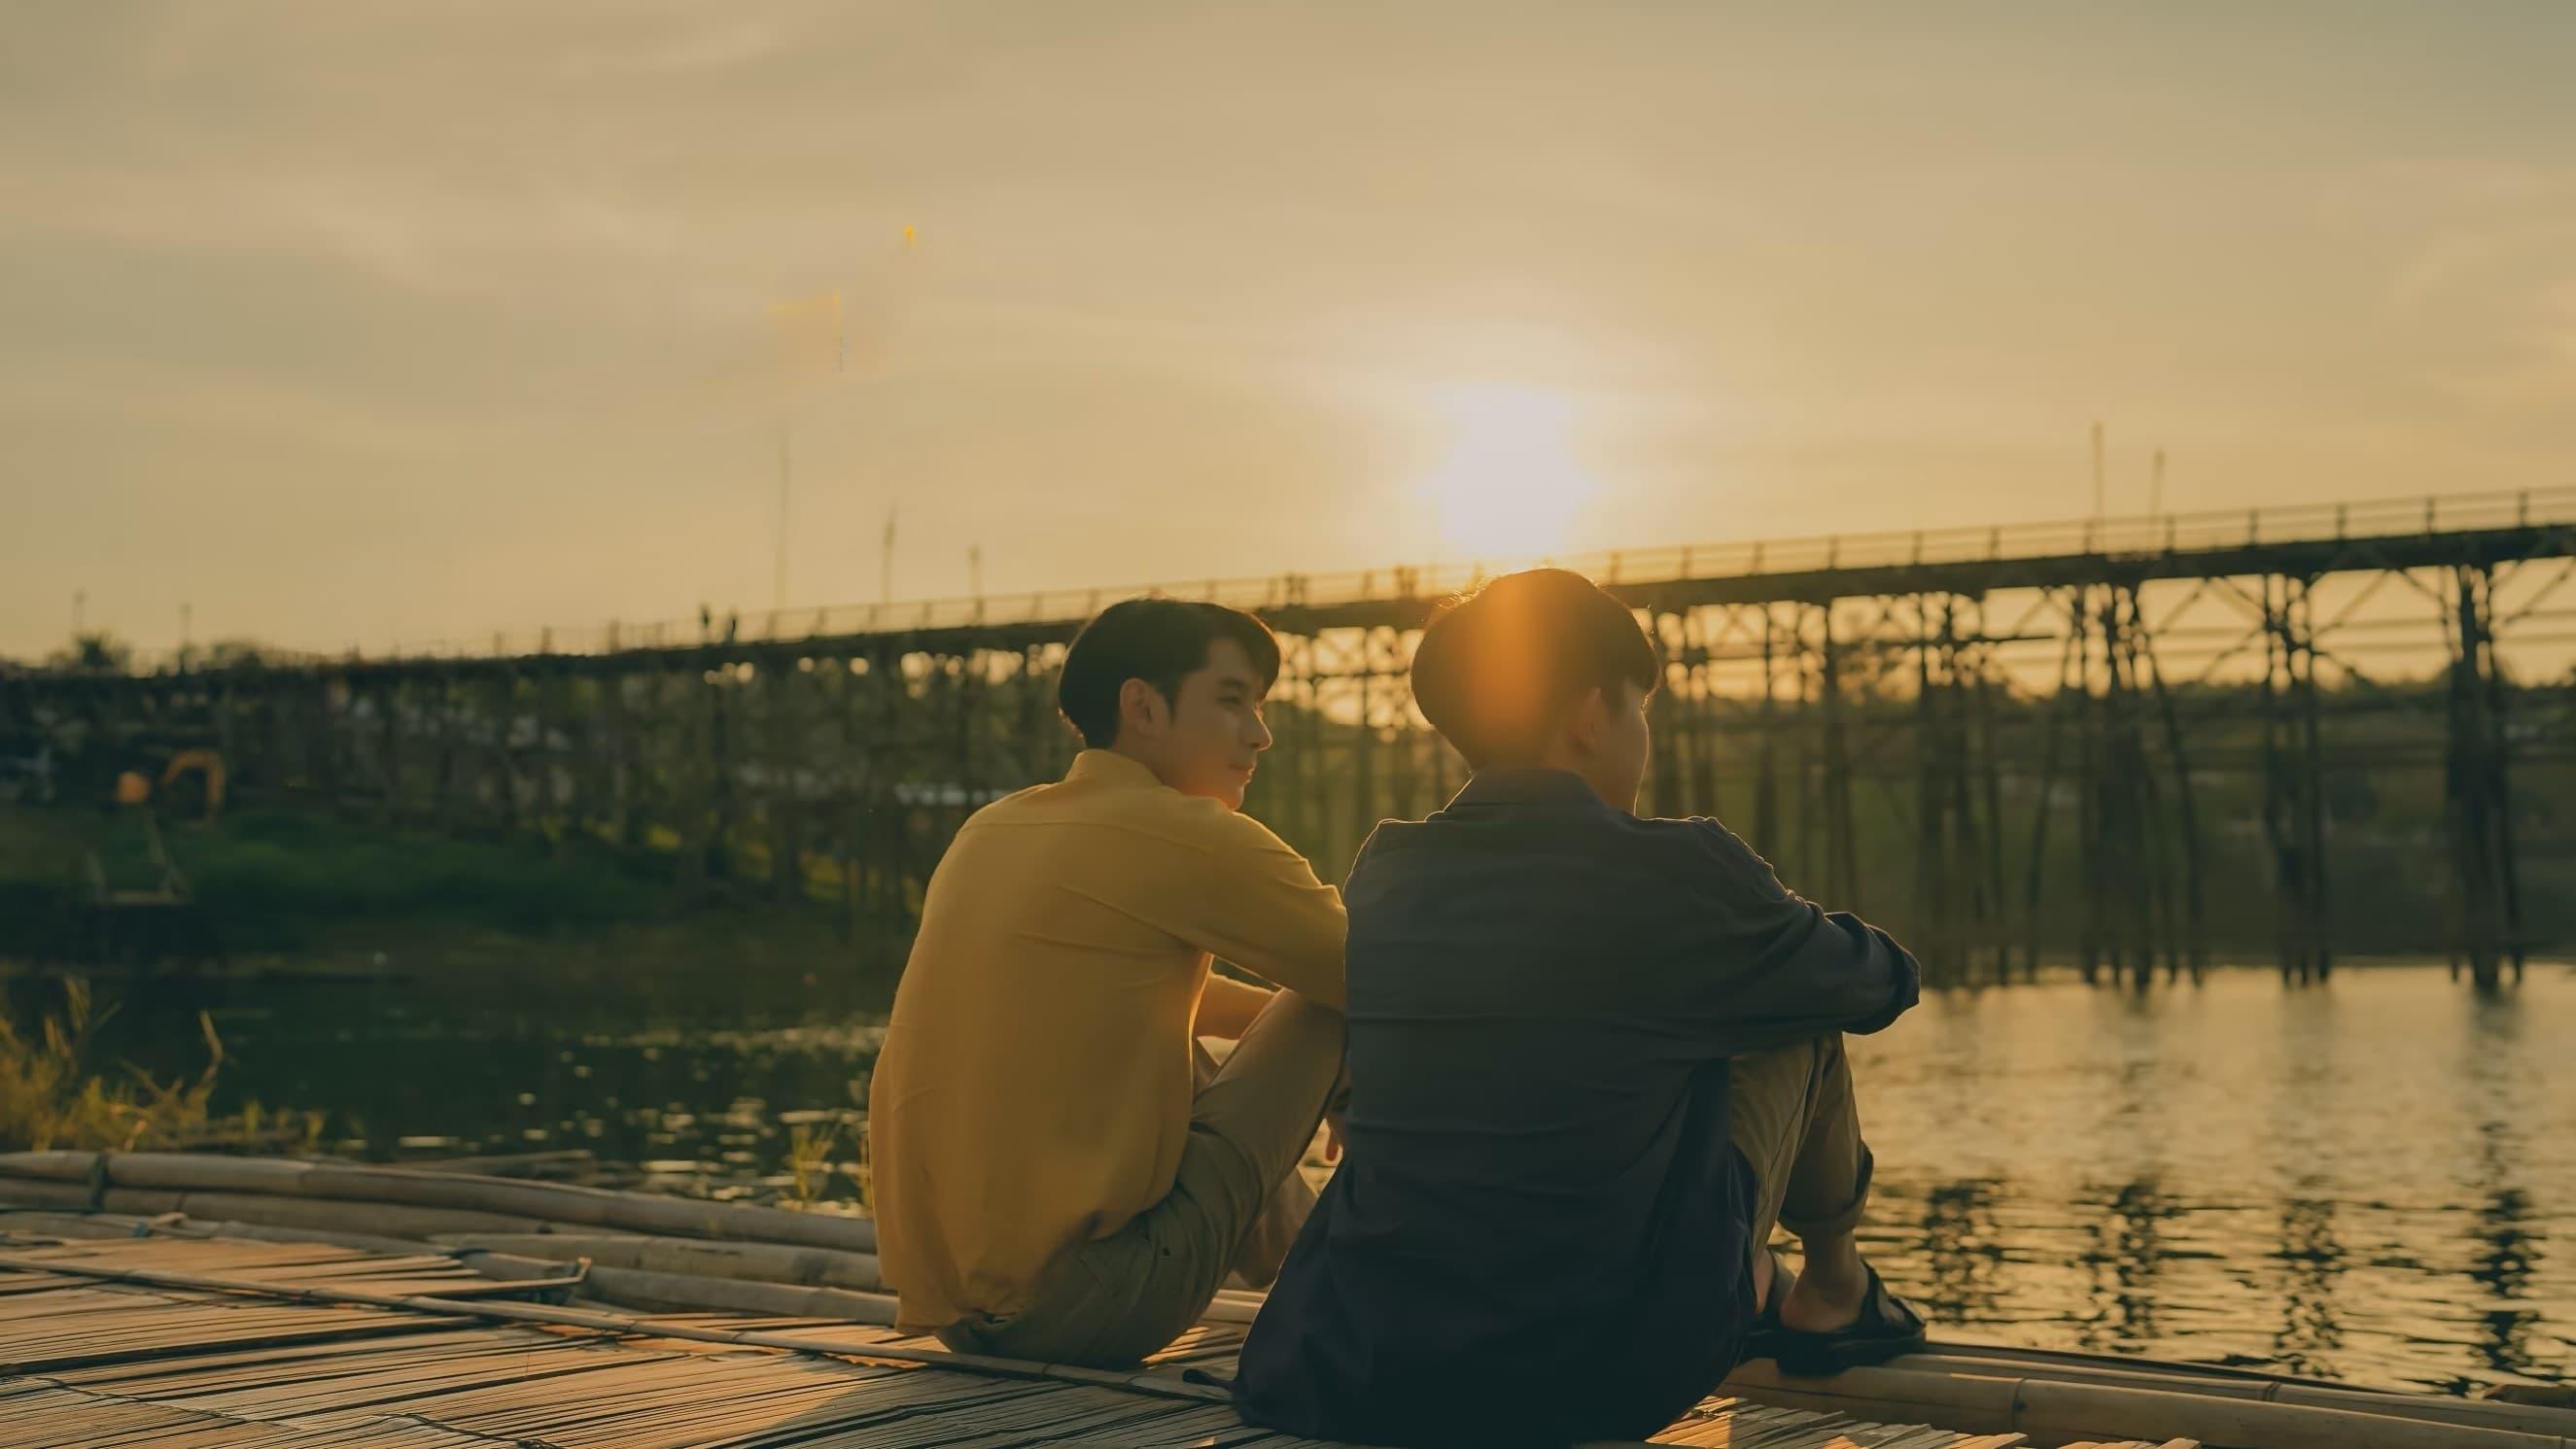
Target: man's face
[(1207, 741)]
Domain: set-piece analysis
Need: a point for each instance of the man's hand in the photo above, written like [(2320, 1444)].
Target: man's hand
[(1337, 1106)]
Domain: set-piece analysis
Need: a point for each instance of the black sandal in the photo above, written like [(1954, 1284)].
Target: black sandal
[(1887, 1326), (1762, 1339)]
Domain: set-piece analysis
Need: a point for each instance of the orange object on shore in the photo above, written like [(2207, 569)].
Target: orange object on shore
[(210, 763)]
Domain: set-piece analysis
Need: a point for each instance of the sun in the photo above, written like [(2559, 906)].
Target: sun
[(1509, 484)]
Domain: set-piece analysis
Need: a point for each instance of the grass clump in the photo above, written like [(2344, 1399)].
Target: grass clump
[(811, 1162), (50, 1097)]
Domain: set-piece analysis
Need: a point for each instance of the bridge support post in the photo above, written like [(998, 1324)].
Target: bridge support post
[(2485, 892), (2294, 780)]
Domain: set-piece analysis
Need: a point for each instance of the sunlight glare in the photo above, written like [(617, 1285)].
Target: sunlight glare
[(1509, 484)]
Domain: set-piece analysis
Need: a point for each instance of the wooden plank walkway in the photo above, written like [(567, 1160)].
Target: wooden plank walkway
[(88, 1360)]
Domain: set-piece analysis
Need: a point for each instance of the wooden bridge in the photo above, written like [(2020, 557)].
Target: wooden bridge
[(2137, 744)]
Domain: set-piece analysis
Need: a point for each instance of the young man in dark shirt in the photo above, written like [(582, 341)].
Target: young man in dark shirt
[(1593, 1059)]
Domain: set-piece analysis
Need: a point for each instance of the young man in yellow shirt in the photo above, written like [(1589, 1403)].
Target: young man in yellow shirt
[(1059, 1173)]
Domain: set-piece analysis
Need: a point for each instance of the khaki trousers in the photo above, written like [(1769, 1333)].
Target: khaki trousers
[(1236, 1204), (1795, 1120)]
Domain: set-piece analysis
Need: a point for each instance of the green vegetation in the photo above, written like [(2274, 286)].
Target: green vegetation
[(51, 1096), (810, 1149), (97, 651), (279, 879), (275, 880)]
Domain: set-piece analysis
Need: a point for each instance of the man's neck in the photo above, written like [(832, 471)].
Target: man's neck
[(1127, 754), (1558, 762)]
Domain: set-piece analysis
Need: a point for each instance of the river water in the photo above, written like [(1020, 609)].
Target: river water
[(2374, 1180)]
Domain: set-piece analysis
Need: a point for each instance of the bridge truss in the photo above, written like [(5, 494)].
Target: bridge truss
[(2141, 746)]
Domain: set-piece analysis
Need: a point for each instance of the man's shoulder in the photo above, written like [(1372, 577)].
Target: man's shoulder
[(1699, 837), (1695, 851), (1016, 807), (1701, 849), (1003, 806), (1159, 814)]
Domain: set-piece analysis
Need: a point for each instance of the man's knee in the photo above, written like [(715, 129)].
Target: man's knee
[(1794, 1122), (1298, 1026), (1778, 1089)]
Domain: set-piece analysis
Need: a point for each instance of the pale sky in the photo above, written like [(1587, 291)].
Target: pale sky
[(370, 323)]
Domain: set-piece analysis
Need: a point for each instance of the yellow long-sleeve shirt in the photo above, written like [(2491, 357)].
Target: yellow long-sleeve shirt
[(1034, 1087)]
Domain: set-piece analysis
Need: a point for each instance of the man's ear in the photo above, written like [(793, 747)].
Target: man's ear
[(1141, 707), (1591, 718)]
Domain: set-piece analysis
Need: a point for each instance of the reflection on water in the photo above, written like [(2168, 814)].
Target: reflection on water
[(2364, 1181), (2373, 1180)]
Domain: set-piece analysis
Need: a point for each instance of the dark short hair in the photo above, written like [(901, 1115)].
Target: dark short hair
[(1498, 670), (1157, 641)]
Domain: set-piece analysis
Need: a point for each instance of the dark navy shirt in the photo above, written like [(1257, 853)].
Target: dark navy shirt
[(1538, 1231)]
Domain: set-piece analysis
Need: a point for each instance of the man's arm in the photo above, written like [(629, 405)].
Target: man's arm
[(1826, 971), (1225, 884), (1777, 968)]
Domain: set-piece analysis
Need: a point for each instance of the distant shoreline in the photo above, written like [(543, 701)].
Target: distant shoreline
[(292, 895)]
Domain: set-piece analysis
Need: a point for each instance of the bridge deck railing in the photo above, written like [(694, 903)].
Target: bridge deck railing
[(2110, 538)]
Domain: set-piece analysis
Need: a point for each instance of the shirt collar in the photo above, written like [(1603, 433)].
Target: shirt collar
[(1525, 786), (1111, 768)]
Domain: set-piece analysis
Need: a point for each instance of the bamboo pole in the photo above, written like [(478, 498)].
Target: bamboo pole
[(266, 1209), (176, 1225), (2053, 1411), (393, 1219), (2180, 1378), (79, 1197), (510, 1164), (762, 1262), (692, 1292), (504, 1205)]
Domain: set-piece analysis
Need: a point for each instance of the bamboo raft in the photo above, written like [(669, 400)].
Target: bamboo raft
[(175, 1300)]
